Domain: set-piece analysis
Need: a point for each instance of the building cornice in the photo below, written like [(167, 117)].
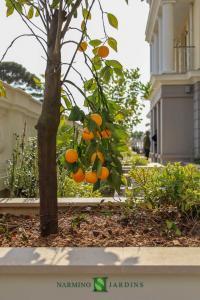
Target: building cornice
[(153, 14), (172, 79)]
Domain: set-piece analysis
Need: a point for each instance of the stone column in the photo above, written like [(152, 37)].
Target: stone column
[(161, 128), (168, 36), (191, 44), (160, 44), (155, 129), (197, 120), (151, 58), (156, 54), (152, 129), (191, 19), (158, 126)]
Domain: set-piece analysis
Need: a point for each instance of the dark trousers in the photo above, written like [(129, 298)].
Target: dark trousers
[(146, 153)]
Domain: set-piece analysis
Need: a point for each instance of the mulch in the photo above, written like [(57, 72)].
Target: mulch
[(103, 226)]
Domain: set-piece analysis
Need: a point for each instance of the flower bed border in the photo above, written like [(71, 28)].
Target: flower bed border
[(30, 206)]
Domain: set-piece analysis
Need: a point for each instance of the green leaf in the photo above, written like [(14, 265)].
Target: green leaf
[(97, 66), (37, 13), (115, 180), (96, 186), (178, 232), (99, 168), (86, 14), (169, 224), (10, 11), (112, 43), (118, 72), (90, 85), (30, 13), (67, 102), (18, 7), (76, 114), (106, 73), (91, 125), (75, 14), (95, 43), (114, 63), (2, 90), (112, 20)]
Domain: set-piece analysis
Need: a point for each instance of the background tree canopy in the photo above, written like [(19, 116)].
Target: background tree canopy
[(124, 95), (16, 75)]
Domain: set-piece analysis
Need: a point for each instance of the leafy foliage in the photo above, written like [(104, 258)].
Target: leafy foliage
[(138, 160), (123, 92), (22, 171), (174, 185)]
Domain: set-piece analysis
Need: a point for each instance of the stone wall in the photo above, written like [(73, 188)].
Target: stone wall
[(172, 117), (16, 110), (177, 123)]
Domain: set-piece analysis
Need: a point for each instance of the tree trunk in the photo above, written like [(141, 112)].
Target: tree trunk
[(47, 131)]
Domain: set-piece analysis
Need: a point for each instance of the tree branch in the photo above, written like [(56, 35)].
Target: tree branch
[(81, 92), (13, 41), (59, 27), (24, 19), (69, 17), (102, 14), (78, 45)]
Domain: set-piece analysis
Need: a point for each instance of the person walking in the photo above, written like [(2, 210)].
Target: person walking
[(146, 144)]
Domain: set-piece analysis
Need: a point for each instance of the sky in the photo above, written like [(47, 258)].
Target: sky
[(133, 51)]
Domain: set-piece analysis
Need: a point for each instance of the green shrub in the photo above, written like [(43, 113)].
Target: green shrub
[(22, 180), (22, 172), (138, 160), (68, 188), (174, 185)]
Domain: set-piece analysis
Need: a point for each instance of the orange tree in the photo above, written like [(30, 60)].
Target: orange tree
[(96, 156)]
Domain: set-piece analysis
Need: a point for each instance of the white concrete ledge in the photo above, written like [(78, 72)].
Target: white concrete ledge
[(62, 202), (30, 206), (100, 273), (108, 261)]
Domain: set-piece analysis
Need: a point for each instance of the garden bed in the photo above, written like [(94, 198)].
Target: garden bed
[(103, 226)]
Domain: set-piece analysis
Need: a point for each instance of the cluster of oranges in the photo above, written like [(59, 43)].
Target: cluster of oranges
[(102, 51), (71, 155), (88, 135)]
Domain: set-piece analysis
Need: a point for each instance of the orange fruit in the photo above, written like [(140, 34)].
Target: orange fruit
[(103, 51), (91, 177), (106, 134), (87, 135), (79, 176), (83, 47), (104, 173), (96, 118), (71, 156), (99, 155)]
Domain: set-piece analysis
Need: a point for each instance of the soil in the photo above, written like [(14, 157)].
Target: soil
[(103, 226)]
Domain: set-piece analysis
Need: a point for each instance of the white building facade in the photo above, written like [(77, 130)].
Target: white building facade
[(173, 32)]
